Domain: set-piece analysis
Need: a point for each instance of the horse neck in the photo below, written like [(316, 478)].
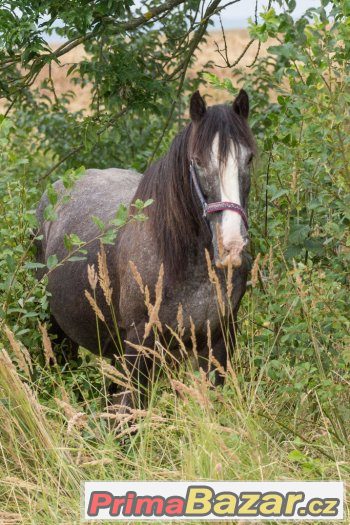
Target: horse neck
[(174, 217)]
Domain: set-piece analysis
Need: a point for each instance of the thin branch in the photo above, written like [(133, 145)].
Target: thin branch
[(256, 56), (146, 17), (228, 64), (53, 84), (266, 192), (10, 107), (224, 52), (210, 11), (61, 161), (256, 23)]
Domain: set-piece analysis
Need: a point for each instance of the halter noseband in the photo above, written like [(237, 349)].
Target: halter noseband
[(215, 207)]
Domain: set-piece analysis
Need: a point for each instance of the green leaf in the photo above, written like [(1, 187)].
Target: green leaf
[(314, 245), (76, 258), (148, 202), (99, 223), (121, 216), (293, 251), (297, 456), (298, 233), (34, 265), (109, 237), (52, 195), (279, 194), (50, 213), (75, 239), (52, 261), (68, 244)]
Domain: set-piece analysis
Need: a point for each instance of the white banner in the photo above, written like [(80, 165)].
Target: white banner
[(212, 500)]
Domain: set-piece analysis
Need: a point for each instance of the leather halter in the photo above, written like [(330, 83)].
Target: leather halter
[(215, 207)]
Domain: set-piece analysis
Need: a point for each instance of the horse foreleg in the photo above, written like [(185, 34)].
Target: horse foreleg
[(218, 361), (223, 351), (137, 367)]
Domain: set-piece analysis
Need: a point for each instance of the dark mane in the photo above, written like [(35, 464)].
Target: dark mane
[(176, 215)]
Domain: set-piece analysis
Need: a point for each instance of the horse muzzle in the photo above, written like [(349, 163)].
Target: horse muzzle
[(232, 255)]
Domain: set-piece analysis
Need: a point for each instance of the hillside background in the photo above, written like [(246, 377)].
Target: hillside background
[(236, 40)]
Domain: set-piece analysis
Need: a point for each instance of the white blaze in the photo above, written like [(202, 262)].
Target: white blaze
[(229, 186)]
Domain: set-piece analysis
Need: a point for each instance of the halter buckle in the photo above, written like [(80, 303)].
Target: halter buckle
[(205, 209)]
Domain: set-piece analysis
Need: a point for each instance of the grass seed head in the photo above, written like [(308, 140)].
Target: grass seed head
[(94, 306), (103, 275), (92, 276), (48, 352), (255, 270), (20, 351), (153, 310), (137, 276), (180, 320)]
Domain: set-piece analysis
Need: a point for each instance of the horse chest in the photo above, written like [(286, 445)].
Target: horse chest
[(198, 299)]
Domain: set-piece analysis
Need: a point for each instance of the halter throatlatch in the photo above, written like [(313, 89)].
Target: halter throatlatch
[(215, 207)]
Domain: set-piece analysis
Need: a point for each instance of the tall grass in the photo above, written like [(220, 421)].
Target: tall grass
[(55, 434)]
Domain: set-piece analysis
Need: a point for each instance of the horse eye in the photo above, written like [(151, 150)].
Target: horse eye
[(250, 160)]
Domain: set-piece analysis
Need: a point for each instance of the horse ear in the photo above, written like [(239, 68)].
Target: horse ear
[(197, 107), (241, 104)]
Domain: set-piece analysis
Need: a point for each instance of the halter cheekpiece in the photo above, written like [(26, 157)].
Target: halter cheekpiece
[(215, 207)]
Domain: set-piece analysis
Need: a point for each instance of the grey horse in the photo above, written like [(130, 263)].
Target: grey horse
[(200, 194)]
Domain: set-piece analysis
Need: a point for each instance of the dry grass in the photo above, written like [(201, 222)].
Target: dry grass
[(237, 40), (189, 431), (50, 444)]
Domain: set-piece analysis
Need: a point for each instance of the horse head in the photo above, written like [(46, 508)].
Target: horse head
[(221, 149)]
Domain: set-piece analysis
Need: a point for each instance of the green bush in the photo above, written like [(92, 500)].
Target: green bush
[(300, 204)]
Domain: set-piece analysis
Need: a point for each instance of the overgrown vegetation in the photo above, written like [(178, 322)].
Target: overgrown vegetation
[(284, 411)]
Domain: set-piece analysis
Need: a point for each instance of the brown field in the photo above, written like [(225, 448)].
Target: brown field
[(236, 42)]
